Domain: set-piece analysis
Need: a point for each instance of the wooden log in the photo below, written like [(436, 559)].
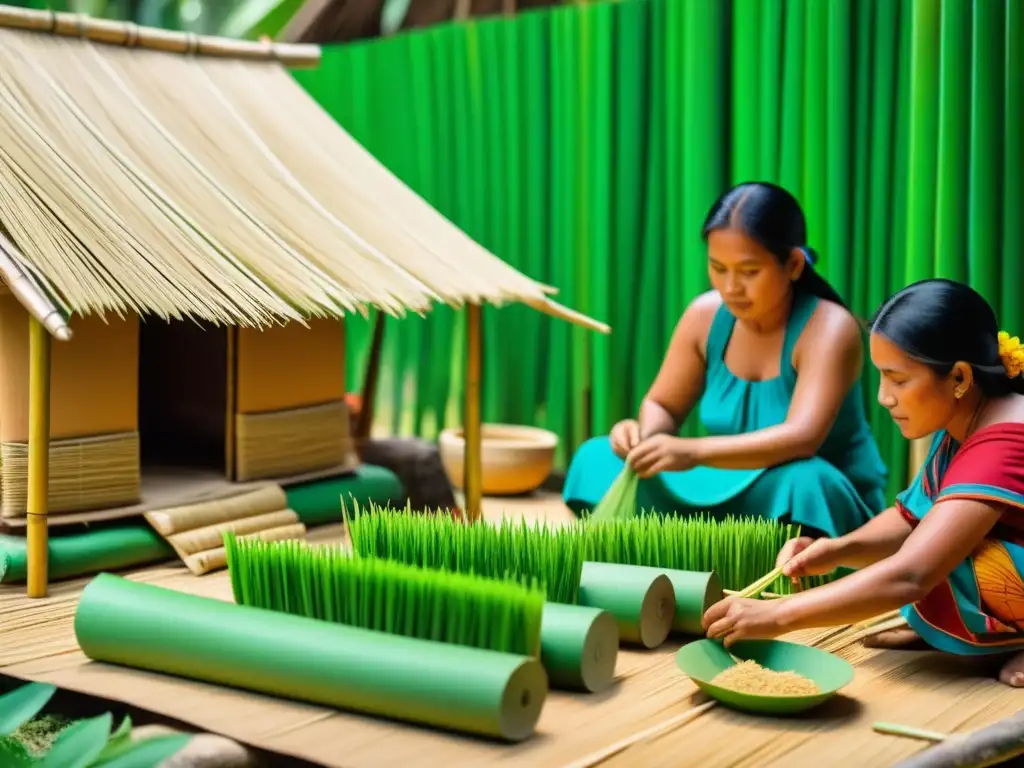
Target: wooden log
[(998, 743)]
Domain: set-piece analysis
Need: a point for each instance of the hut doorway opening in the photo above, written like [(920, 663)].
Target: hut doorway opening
[(183, 386)]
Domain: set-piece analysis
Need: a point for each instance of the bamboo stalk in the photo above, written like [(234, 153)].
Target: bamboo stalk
[(38, 457), (31, 296), (908, 732), (133, 36), (473, 437), (759, 586)]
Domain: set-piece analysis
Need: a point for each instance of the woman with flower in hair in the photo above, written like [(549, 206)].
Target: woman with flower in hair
[(771, 360), (950, 552)]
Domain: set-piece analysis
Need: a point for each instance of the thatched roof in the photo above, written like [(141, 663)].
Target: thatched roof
[(211, 186)]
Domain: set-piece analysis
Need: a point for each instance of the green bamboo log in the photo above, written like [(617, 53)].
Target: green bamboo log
[(579, 647), (641, 600), (815, 105), (1012, 316), (986, 151), (792, 129), (954, 135), (839, 200), (859, 254), (147, 627), (746, 62), (770, 89), (924, 53)]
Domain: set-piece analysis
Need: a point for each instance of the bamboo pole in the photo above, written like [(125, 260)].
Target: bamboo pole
[(133, 36), (472, 474), (30, 295), (38, 457)]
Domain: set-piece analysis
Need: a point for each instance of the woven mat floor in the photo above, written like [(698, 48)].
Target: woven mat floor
[(927, 690)]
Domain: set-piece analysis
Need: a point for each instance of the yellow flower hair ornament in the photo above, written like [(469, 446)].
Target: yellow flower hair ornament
[(1011, 352)]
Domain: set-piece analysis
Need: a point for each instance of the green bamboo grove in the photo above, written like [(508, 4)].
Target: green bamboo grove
[(584, 144)]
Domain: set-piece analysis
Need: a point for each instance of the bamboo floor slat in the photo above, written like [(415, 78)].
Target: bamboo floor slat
[(923, 689)]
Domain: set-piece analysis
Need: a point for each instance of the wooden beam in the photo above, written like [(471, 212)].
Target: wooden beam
[(38, 458), (128, 34), (472, 474)]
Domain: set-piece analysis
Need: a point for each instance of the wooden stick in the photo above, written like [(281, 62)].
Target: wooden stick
[(472, 474), (134, 36), (38, 458), (601, 755), (998, 743), (758, 586), (365, 423), (908, 732)]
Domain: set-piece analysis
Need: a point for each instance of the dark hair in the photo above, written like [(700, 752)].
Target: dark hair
[(940, 323), (772, 217)]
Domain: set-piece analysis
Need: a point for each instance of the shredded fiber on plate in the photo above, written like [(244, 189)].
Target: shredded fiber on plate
[(751, 677)]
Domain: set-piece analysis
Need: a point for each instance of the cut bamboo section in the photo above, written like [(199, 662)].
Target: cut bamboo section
[(195, 531), (293, 441), (84, 474), (215, 559), (168, 522)]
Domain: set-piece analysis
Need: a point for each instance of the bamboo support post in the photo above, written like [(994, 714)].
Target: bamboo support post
[(472, 474), (38, 458), (134, 36)]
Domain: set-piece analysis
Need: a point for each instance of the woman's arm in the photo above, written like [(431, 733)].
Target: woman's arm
[(830, 355), (879, 538), (947, 535), (680, 381), (945, 538)]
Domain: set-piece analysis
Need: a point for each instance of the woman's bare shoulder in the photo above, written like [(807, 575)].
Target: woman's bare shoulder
[(701, 310), (835, 325)]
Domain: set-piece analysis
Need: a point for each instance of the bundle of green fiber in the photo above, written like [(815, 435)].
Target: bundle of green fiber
[(326, 583), (739, 550), (619, 503), (510, 550)]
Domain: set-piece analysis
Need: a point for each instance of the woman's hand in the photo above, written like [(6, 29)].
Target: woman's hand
[(624, 437), (662, 453), (737, 618), (807, 557)]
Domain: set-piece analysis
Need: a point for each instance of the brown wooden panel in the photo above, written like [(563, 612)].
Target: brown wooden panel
[(290, 366), (94, 377)]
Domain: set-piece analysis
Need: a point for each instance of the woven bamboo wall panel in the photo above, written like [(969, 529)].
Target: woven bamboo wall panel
[(282, 443), (85, 473)]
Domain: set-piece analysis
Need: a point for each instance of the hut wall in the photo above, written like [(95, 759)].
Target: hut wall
[(94, 437), (290, 412)]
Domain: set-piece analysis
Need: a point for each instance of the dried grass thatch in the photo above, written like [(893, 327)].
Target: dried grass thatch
[(137, 181)]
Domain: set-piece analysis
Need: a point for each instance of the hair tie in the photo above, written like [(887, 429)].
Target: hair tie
[(808, 255), (1011, 353)]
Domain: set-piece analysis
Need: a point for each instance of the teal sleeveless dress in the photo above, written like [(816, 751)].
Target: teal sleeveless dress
[(832, 493)]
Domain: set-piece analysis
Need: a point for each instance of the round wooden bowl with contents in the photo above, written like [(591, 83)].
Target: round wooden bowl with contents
[(516, 459)]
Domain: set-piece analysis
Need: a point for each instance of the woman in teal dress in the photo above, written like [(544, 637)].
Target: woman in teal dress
[(950, 553), (774, 359)]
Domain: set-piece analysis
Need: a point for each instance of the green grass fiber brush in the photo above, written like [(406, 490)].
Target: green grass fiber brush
[(620, 502), (454, 687), (326, 583), (510, 550), (577, 645)]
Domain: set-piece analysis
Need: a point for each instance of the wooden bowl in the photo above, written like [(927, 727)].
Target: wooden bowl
[(516, 459)]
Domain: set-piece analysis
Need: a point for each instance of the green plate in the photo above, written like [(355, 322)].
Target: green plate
[(702, 660)]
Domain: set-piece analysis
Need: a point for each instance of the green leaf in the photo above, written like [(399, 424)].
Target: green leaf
[(147, 753), (118, 741), (79, 744), (13, 754), (22, 704), (252, 18)]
